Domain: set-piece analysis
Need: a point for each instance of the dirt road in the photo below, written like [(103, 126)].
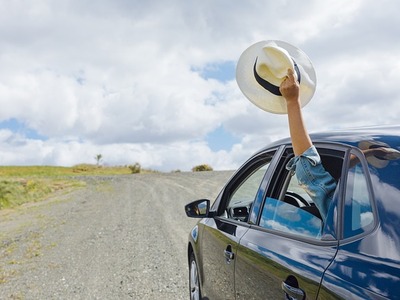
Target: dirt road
[(121, 237)]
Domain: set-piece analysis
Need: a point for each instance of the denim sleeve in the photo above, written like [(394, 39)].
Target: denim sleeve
[(313, 178)]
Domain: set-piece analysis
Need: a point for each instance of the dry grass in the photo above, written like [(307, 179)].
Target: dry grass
[(50, 171), (23, 184)]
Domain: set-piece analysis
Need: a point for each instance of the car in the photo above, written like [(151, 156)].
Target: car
[(263, 237)]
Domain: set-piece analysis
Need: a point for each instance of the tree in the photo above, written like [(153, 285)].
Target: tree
[(98, 158)]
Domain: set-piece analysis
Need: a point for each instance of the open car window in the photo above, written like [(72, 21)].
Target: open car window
[(290, 209)]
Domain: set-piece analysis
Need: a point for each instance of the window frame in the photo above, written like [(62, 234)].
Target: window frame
[(243, 173)]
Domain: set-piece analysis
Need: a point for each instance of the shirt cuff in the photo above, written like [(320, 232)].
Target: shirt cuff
[(311, 154)]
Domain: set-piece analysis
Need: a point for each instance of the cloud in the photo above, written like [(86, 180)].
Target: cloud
[(128, 79)]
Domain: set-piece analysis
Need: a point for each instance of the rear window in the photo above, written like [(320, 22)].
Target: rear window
[(358, 211), (386, 190)]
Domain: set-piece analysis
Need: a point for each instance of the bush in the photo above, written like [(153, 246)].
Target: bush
[(203, 167), (136, 168)]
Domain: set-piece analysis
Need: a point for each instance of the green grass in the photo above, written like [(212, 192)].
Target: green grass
[(24, 184)]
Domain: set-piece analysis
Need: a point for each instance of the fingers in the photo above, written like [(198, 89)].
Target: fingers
[(289, 87), (290, 74), (289, 79)]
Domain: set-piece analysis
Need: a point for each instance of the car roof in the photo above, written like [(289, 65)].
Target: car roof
[(389, 134)]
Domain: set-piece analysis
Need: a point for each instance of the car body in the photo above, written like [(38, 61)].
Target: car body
[(262, 239)]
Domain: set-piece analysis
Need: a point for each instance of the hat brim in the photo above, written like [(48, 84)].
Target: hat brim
[(379, 162), (261, 97)]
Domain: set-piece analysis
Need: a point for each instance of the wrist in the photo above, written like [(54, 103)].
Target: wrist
[(293, 102)]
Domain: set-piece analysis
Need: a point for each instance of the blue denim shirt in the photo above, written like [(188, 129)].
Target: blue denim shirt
[(314, 179)]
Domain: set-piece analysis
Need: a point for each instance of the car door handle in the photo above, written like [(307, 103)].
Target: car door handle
[(229, 255), (294, 292)]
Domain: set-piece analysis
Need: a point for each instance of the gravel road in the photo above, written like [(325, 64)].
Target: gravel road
[(120, 237)]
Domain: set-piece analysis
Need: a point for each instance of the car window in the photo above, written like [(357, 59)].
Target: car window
[(245, 192), (282, 216), (290, 208), (358, 211), (296, 195)]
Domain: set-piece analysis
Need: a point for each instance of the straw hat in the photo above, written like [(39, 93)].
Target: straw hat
[(263, 66)]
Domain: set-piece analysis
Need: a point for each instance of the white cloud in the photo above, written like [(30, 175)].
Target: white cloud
[(118, 77)]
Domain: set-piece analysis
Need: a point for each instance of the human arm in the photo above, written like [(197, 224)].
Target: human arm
[(289, 89), (310, 173)]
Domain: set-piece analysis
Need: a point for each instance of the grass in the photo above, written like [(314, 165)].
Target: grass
[(25, 184), (17, 191), (50, 171)]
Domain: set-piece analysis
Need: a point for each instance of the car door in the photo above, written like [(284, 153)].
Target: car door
[(222, 233), (288, 248)]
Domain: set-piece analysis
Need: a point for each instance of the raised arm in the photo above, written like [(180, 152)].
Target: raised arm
[(289, 89)]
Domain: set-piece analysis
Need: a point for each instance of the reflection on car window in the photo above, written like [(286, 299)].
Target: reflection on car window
[(241, 200), (358, 211), (282, 216)]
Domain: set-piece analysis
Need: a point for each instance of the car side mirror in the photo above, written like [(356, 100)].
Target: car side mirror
[(198, 209)]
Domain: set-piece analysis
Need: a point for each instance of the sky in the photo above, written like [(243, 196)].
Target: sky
[(153, 82)]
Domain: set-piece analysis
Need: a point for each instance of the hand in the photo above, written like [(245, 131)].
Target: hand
[(290, 88)]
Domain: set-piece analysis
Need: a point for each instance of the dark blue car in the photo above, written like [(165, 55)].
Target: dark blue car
[(263, 237)]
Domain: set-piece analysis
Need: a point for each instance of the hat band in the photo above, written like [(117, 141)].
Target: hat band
[(268, 85)]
